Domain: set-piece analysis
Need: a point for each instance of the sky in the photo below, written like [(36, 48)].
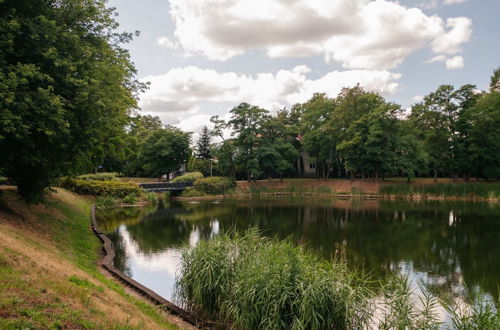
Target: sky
[(203, 57)]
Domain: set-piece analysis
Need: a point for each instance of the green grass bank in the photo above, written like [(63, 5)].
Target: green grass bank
[(50, 275)]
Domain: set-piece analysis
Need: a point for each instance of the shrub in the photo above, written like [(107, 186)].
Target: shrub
[(105, 202), (102, 188), (188, 177), (105, 176), (215, 185), (3, 180), (192, 192), (152, 197), (130, 199)]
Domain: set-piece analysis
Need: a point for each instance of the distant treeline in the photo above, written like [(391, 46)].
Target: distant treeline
[(452, 132)]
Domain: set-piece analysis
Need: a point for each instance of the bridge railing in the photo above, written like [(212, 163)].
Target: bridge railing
[(165, 186)]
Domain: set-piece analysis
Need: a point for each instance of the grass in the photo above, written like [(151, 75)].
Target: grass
[(246, 281), (49, 276), (482, 190), (251, 282)]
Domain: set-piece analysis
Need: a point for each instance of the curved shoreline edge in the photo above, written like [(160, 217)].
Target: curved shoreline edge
[(107, 263)]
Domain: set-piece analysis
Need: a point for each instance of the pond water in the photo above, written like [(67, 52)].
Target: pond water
[(452, 248)]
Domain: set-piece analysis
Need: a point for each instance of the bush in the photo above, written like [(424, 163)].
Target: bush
[(105, 202), (3, 180), (215, 185), (152, 197), (105, 176), (130, 199), (102, 188), (188, 177), (192, 192)]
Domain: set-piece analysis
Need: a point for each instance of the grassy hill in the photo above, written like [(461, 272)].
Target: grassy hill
[(49, 273)]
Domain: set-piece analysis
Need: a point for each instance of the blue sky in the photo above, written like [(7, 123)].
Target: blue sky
[(203, 57)]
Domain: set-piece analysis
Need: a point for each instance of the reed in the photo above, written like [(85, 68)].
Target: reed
[(482, 190), (251, 282), (247, 281)]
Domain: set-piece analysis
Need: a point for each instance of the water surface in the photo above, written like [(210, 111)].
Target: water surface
[(451, 247)]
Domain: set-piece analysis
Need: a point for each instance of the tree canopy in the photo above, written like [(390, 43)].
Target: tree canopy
[(66, 89)]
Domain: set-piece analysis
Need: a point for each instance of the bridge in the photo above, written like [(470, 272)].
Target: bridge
[(165, 186)]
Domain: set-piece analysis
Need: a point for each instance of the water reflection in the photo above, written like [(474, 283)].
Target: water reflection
[(448, 246)]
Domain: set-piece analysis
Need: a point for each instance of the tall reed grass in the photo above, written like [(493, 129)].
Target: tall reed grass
[(246, 281), (483, 190)]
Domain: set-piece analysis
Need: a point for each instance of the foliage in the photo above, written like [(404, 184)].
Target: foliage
[(130, 199), (66, 90), (251, 282), (188, 177), (214, 185), (152, 197), (203, 145), (106, 202), (192, 192), (104, 176), (164, 151), (102, 188), (483, 190)]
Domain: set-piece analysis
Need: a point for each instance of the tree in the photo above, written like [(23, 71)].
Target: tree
[(164, 151), (246, 121), (485, 136), (66, 90), (370, 146), (203, 145), (495, 81), (276, 152)]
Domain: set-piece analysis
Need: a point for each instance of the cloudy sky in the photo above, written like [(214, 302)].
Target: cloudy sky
[(202, 57)]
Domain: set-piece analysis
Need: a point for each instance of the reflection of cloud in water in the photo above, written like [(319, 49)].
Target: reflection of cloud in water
[(166, 260)]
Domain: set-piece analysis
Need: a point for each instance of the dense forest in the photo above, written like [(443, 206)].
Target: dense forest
[(68, 100)]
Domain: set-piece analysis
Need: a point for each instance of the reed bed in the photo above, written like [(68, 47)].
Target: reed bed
[(247, 281), (482, 190)]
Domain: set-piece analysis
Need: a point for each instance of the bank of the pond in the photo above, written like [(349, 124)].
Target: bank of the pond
[(393, 189), (50, 275)]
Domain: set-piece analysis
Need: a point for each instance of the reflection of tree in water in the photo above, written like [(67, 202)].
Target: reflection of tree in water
[(160, 230), (120, 261), (452, 247)]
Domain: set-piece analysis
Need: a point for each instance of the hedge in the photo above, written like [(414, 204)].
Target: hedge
[(188, 177), (214, 185), (104, 176), (102, 188)]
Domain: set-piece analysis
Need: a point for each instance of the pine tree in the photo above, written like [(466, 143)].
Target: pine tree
[(203, 145)]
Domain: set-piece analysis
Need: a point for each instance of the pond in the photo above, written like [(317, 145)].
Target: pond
[(451, 247)]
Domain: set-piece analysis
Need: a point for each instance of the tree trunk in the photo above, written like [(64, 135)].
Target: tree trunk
[(435, 176)]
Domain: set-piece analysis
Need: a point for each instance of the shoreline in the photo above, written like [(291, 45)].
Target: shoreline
[(414, 197)]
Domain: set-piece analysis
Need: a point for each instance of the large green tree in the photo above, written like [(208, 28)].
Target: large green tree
[(246, 121), (66, 89), (164, 151)]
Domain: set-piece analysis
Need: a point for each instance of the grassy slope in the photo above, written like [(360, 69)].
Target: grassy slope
[(49, 276)]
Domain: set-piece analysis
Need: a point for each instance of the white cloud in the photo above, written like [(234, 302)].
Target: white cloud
[(179, 95), (456, 62), (451, 2), (360, 34), (167, 43), (451, 42)]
